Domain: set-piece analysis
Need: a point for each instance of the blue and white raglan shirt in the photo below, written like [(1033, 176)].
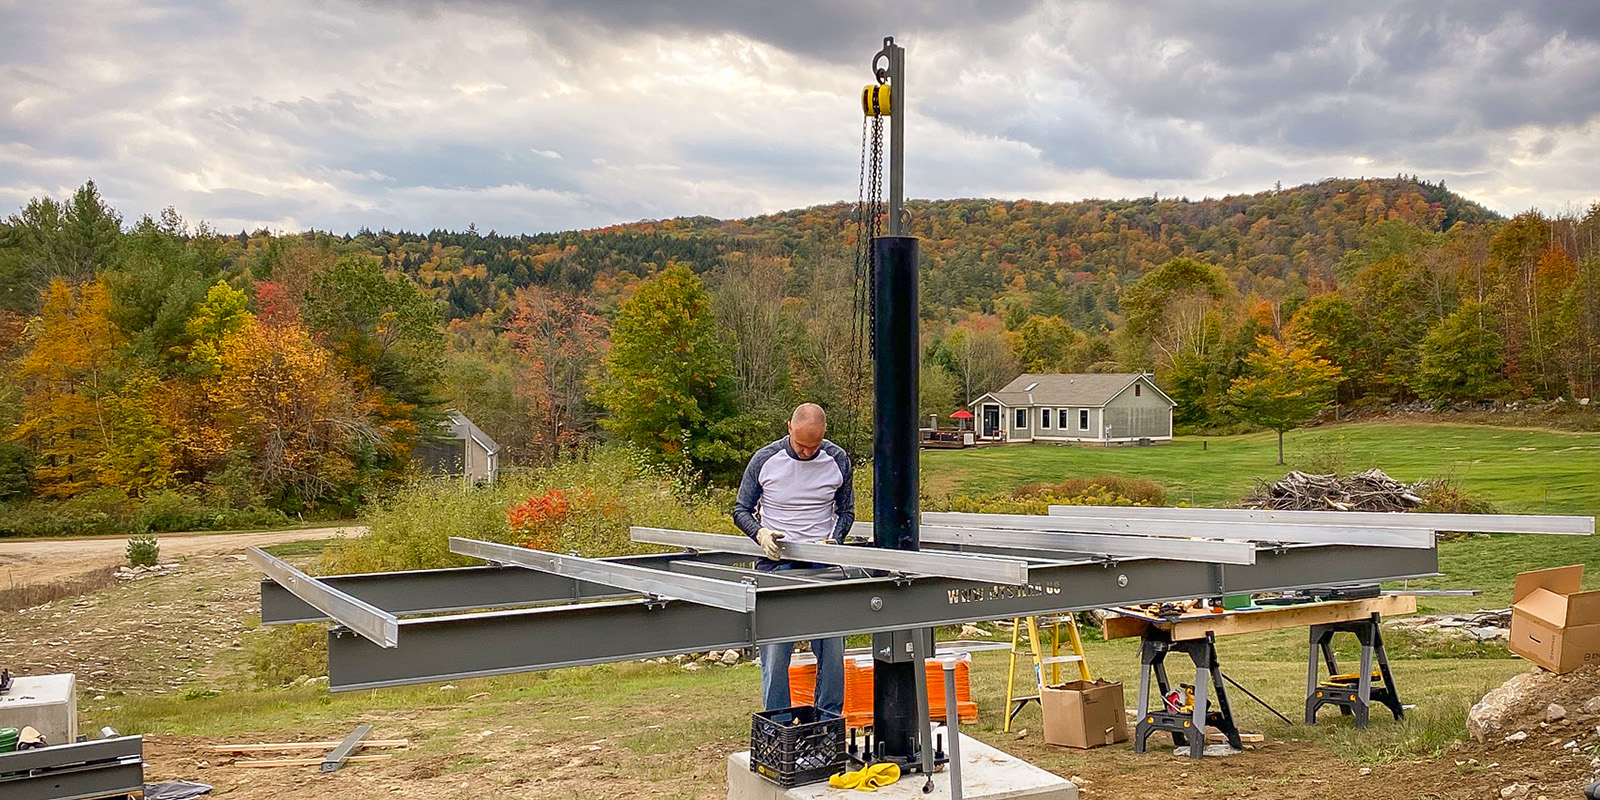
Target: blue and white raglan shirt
[(808, 500)]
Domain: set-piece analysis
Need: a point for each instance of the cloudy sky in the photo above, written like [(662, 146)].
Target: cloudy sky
[(536, 115)]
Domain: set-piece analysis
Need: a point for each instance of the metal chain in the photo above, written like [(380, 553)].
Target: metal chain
[(868, 216)]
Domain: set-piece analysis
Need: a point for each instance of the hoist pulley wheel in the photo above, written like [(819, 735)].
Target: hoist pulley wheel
[(875, 100)]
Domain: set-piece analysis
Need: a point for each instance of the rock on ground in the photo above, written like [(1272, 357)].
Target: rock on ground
[(1515, 698)]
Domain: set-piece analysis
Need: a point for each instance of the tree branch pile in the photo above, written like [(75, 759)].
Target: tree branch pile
[(1372, 490)]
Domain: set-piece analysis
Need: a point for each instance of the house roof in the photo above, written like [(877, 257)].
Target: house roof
[(463, 428), (1094, 389)]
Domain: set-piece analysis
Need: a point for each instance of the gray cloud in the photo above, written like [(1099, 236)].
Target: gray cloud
[(546, 114)]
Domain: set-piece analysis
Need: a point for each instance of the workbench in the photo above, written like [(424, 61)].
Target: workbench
[(1194, 633)]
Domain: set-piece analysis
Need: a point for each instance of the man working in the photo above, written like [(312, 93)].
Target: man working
[(798, 489)]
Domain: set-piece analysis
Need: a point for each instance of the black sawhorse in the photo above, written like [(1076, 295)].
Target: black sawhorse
[(1186, 728), (1353, 694)]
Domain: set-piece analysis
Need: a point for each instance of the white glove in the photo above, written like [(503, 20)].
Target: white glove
[(768, 539)]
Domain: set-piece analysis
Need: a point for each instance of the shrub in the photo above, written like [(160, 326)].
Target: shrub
[(143, 551), (583, 505), (111, 512), (281, 655), (1036, 498)]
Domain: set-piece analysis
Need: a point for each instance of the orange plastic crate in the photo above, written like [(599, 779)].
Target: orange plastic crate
[(858, 688)]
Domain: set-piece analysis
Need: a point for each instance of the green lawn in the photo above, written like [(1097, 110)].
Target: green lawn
[(1519, 470)]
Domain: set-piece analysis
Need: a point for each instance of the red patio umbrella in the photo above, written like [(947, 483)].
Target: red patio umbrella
[(963, 415)]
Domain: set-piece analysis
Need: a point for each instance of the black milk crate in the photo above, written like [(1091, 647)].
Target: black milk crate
[(796, 746)]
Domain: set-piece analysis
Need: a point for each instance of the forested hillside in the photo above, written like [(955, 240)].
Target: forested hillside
[(298, 370)]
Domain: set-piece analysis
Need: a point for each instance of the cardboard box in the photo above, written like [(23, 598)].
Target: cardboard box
[(1553, 623), (1084, 714)]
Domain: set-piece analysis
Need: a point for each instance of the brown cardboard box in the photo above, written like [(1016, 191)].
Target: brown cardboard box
[(1553, 624), (1084, 714)]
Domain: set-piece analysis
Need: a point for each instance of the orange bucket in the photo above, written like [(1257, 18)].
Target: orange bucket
[(858, 688)]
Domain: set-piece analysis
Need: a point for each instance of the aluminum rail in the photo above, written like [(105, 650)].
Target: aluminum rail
[(726, 595), (1250, 531), (1465, 523), (523, 640), (1206, 550), (373, 623), (1009, 571)]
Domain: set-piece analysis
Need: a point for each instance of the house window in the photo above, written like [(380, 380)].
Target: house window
[(1083, 419), (1062, 420), (1044, 418), (1136, 388), (1022, 418)]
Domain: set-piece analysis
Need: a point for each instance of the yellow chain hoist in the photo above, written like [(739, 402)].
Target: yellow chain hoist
[(875, 100)]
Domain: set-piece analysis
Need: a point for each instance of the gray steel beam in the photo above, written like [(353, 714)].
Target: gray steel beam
[(1251, 531), (1465, 523), (358, 615), (74, 771), (675, 586), (437, 591), (1046, 543), (915, 562), (502, 642), (335, 759), (762, 580)]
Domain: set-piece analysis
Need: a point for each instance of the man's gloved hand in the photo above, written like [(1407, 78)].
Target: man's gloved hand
[(768, 539)]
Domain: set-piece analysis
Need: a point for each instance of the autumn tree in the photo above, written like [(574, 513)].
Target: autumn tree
[(666, 384), (1284, 386), (748, 303), (69, 376), (559, 338), (281, 399)]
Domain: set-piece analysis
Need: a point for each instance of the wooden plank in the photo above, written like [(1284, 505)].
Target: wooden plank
[(1268, 619), (307, 762), (251, 748)]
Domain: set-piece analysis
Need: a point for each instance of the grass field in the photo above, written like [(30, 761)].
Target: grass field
[(1519, 470), (623, 724)]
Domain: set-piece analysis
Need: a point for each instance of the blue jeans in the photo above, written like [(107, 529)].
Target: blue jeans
[(830, 674), (775, 664)]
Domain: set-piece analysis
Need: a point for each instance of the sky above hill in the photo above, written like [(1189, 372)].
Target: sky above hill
[(538, 115)]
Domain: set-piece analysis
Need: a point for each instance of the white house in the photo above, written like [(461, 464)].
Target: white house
[(1106, 408)]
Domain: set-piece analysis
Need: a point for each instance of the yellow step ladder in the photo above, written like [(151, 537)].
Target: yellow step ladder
[(1030, 627)]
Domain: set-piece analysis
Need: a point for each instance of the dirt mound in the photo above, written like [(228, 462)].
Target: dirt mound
[(1538, 703)]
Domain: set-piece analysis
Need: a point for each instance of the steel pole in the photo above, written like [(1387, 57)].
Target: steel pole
[(897, 134), (952, 726), (894, 495)]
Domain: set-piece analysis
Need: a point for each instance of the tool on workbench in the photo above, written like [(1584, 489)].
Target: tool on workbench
[(1030, 627)]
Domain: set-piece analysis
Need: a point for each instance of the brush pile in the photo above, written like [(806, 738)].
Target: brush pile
[(1372, 490)]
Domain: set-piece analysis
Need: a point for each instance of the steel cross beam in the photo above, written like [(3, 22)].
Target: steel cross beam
[(521, 640), (1012, 571), (670, 585), (1250, 531), (438, 591), (380, 626), (1065, 544), (1465, 523), (1209, 551)]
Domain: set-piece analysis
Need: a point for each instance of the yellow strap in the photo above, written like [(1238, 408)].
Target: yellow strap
[(867, 779)]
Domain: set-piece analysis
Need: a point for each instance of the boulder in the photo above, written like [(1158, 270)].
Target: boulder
[(1554, 713), (1517, 697)]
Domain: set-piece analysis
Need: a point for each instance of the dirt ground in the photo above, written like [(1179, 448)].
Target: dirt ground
[(29, 561), (172, 633)]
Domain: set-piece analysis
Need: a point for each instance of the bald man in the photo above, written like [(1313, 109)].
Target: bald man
[(798, 489)]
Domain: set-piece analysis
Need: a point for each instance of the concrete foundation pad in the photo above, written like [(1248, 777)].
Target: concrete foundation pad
[(986, 774), (47, 702)]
